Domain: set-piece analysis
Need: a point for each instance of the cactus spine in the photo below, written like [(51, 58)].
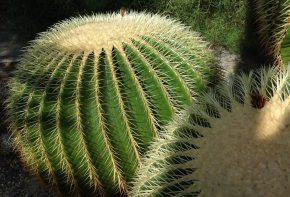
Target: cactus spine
[(91, 93), (224, 146)]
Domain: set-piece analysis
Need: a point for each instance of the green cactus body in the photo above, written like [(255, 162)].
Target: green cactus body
[(91, 93), (224, 146)]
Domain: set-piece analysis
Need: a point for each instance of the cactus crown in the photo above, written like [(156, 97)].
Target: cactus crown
[(90, 95), (223, 146), (103, 32)]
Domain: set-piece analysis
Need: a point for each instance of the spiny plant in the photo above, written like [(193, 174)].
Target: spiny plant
[(91, 93), (272, 18), (225, 145)]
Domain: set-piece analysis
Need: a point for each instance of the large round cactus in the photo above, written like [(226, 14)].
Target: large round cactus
[(235, 142), (91, 93)]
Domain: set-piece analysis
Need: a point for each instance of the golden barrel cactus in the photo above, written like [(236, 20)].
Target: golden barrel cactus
[(91, 93)]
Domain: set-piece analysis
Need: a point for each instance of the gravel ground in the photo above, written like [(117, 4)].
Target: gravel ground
[(227, 60), (15, 182)]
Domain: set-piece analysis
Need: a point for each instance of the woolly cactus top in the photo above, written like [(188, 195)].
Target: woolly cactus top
[(94, 33), (224, 146)]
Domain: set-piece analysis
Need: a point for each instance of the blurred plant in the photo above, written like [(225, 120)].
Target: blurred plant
[(273, 23), (102, 5), (269, 22)]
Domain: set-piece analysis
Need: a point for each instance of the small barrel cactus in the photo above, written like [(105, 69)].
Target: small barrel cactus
[(90, 94), (234, 142)]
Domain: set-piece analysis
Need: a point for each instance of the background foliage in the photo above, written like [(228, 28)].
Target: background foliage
[(221, 22)]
